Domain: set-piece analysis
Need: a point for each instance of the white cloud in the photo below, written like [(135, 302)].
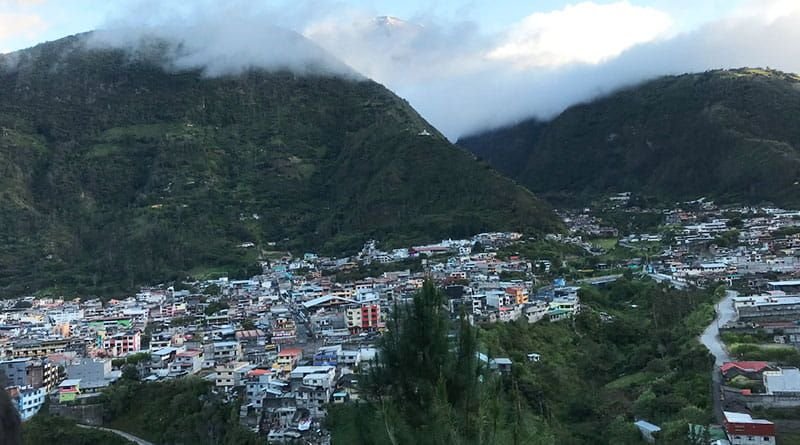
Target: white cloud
[(584, 33), (18, 24), (766, 10), (461, 78), (399, 52), (219, 39)]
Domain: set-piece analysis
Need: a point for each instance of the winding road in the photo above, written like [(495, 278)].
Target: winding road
[(131, 437), (710, 339)]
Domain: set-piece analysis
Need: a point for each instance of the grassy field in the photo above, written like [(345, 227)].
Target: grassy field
[(604, 243)]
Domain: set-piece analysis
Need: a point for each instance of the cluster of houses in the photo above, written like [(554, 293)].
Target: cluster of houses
[(291, 341), (704, 243), (286, 343)]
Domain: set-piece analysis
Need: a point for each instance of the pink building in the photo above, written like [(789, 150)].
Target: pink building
[(123, 343)]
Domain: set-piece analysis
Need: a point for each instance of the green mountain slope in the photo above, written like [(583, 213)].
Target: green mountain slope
[(115, 172), (732, 135)]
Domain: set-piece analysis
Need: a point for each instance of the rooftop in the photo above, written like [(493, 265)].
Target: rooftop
[(744, 366), (647, 426), (744, 418), (69, 382), (784, 283), (783, 380)]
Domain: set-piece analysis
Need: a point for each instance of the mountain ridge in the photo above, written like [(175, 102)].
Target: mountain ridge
[(727, 134), (117, 172)]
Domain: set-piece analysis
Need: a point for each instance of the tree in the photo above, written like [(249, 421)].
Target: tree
[(215, 307), (10, 425), (22, 304), (248, 324), (416, 383), (130, 372), (729, 238)]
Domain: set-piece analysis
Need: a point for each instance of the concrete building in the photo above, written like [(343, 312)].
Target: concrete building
[(187, 362), (122, 343), (16, 371), (231, 374), (767, 307), (94, 374), (28, 400), (783, 382), (226, 351), (742, 429)]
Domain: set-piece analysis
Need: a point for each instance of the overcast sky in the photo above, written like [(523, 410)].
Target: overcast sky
[(465, 65)]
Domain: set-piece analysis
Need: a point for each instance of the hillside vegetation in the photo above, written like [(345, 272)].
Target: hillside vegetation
[(116, 172), (631, 353), (732, 135)]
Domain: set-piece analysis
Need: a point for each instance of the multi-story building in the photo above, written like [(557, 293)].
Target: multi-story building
[(16, 371), (287, 359), (499, 299), (35, 348), (535, 311), (327, 355), (283, 330), (315, 390), (187, 362), (258, 384), (42, 374), (742, 429), (93, 374), (230, 374), (122, 343), (27, 400), (518, 294), (226, 351)]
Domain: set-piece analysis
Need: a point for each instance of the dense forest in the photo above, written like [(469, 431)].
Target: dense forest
[(183, 411), (731, 135), (45, 429), (116, 171), (631, 353)]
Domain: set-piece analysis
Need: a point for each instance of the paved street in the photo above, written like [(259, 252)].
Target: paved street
[(710, 338), (131, 437)]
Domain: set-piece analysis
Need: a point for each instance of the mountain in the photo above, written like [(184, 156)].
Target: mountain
[(117, 171), (733, 135)]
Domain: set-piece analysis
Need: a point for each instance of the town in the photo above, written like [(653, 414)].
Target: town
[(288, 343)]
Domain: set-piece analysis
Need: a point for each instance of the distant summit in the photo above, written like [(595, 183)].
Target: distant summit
[(733, 135), (387, 20)]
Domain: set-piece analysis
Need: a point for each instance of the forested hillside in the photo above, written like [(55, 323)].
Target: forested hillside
[(631, 353), (732, 135), (116, 172)]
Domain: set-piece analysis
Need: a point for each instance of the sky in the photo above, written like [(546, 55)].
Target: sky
[(465, 65)]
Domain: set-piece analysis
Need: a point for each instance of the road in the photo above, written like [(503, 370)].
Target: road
[(710, 339), (660, 277), (131, 437), (600, 280)]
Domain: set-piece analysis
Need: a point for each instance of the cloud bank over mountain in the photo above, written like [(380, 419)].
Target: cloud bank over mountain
[(459, 76)]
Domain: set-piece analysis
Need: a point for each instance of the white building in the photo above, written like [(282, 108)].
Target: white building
[(27, 400)]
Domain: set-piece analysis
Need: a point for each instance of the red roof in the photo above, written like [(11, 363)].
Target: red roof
[(257, 372), (291, 351), (744, 366)]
